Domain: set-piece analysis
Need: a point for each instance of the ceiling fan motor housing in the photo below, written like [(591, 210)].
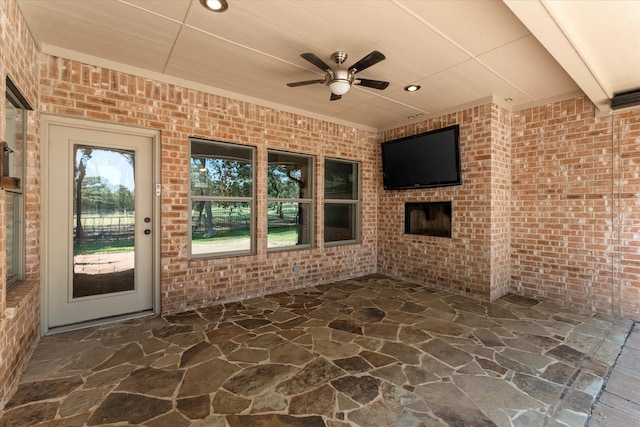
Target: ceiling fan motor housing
[(340, 81)]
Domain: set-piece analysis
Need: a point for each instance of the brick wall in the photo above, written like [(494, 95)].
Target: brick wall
[(548, 207), (20, 309), (500, 193), (576, 184), (475, 259), (626, 132), (21, 332), (75, 89)]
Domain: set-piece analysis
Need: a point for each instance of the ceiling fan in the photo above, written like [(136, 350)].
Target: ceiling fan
[(340, 78)]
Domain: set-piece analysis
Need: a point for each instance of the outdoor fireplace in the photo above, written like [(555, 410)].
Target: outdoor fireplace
[(428, 218)]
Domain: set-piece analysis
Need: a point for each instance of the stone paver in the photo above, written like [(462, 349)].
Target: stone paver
[(372, 351), (619, 403)]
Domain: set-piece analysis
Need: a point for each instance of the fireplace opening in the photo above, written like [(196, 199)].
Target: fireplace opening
[(428, 218)]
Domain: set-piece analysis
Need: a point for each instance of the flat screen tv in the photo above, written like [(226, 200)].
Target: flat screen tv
[(430, 159)]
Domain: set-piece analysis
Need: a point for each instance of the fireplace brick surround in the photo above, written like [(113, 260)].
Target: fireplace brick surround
[(476, 259), (548, 208)]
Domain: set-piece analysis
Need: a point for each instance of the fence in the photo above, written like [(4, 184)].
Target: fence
[(109, 228)]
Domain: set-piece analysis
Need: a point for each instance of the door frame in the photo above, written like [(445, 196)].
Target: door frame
[(46, 187)]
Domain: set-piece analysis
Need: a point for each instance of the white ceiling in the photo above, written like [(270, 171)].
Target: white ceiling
[(460, 52)]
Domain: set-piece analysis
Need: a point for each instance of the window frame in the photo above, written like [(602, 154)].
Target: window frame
[(251, 200), (356, 202), (306, 200), (18, 249)]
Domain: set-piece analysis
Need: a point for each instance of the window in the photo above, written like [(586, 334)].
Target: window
[(221, 199), (14, 166), (289, 201), (341, 201)]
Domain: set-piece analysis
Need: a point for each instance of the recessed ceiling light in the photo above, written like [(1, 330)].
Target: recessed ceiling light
[(412, 88), (215, 5)]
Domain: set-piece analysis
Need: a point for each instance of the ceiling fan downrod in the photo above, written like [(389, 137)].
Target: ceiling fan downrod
[(339, 57)]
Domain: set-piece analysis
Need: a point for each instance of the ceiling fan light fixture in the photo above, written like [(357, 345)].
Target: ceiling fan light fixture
[(215, 5), (339, 87), (340, 83), (340, 79)]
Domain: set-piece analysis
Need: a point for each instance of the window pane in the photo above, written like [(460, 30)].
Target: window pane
[(339, 222), (221, 170), (289, 176), (14, 166), (13, 240), (289, 224), (221, 198), (341, 218), (15, 121), (340, 180), (104, 221), (219, 227)]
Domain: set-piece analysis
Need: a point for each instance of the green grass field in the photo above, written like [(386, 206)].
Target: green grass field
[(102, 247), (283, 231)]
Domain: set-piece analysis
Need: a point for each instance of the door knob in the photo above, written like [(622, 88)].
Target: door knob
[(147, 231)]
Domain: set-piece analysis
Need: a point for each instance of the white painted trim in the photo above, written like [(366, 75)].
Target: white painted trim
[(46, 121), (539, 17)]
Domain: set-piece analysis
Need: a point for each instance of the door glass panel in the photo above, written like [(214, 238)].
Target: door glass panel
[(104, 221)]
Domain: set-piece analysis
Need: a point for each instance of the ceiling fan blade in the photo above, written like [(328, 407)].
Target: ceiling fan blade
[(375, 84), (366, 62), (306, 82), (335, 97), (311, 57)]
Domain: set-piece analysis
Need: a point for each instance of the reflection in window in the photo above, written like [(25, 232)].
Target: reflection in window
[(221, 198), (16, 107), (12, 203), (289, 200), (341, 201), (104, 221)]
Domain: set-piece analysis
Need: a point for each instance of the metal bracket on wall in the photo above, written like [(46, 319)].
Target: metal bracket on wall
[(5, 180)]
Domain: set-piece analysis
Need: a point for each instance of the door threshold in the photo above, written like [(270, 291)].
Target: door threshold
[(99, 322)]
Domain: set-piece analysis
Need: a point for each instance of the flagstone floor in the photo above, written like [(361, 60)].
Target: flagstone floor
[(372, 351)]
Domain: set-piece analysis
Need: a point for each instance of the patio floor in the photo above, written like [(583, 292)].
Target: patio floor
[(372, 351)]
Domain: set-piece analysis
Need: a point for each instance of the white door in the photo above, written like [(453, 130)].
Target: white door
[(99, 234)]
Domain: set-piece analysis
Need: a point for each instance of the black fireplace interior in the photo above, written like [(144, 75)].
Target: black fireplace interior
[(428, 218)]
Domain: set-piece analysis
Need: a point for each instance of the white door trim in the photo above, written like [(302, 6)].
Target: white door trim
[(46, 187)]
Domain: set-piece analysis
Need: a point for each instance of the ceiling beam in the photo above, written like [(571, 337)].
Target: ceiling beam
[(548, 28)]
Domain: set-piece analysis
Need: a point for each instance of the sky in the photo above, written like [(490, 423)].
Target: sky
[(112, 166)]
